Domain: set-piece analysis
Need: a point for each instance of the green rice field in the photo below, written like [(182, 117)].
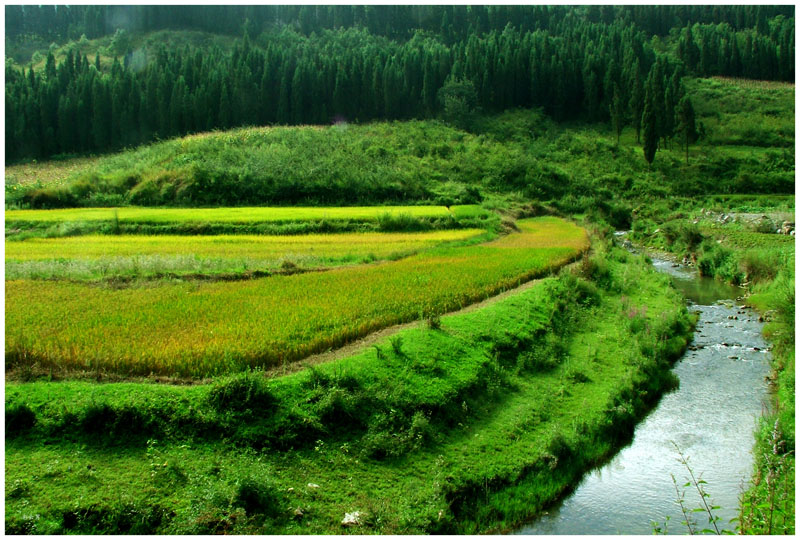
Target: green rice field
[(191, 329), (237, 215)]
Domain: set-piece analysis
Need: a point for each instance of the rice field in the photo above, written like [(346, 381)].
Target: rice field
[(191, 329), (237, 214), (100, 256)]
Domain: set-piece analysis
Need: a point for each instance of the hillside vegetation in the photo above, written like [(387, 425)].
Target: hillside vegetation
[(519, 155), (432, 430), (305, 67)]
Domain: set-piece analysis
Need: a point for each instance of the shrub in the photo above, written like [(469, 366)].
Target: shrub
[(257, 496), (19, 418), (759, 265), (245, 393)]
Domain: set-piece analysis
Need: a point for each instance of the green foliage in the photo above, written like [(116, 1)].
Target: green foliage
[(246, 394), (459, 101)]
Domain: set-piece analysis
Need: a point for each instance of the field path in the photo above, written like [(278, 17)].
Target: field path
[(376, 337)]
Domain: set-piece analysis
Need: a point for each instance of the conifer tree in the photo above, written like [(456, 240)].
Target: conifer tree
[(617, 111), (685, 121), (649, 130)]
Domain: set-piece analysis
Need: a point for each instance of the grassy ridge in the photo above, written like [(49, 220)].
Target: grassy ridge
[(196, 330), (427, 433), (108, 257)]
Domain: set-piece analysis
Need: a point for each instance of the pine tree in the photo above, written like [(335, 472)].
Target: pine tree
[(649, 130), (685, 121), (617, 111), (636, 103)]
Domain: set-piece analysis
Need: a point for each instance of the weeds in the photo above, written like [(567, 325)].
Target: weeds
[(706, 506), (768, 507)]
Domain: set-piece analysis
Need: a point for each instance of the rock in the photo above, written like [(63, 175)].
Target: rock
[(756, 349), (298, 513), (313, 486), (290, 490), (352, 518), (733, 357)]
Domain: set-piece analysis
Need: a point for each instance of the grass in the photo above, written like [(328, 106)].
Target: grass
[(145, 330), (107, 256), (431, 435), (50, 172)]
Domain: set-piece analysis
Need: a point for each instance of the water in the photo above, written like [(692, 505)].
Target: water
[(711, 418)]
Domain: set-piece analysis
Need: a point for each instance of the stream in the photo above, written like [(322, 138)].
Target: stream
[(711, 418)]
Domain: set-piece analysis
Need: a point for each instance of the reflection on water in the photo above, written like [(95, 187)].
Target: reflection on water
[(698, 289), (711, 418)]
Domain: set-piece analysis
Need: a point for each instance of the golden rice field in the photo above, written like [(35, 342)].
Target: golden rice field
[(105, 256), (236, 214), (202, 329)]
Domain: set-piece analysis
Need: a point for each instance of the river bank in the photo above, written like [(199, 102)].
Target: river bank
[(723, 391)]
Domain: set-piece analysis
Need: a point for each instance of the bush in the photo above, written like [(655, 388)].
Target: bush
[(247, 393), (388, 222), (719, 262), (760, 265), (257, 496), (19, 418)]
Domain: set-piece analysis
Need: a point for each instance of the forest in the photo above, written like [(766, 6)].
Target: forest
[(295, 65)]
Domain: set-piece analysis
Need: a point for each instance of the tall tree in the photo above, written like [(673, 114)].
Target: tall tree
[(649, 130), (685, 121), (617, 111)]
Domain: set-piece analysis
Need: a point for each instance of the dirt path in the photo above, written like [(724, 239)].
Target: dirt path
[(376, 337)]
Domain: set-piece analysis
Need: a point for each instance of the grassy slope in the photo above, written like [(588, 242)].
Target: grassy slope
[(518, 154), (523, 156), (432, 434), (136, 331)]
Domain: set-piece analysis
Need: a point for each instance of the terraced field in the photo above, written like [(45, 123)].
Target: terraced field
[(108, 256), (191, 329)]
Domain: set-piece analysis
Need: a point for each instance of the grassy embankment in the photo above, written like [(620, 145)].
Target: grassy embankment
[(192, 329), (471, 424)]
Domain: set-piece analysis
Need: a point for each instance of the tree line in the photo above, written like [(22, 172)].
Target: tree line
[(580, 69), (66, 22)]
